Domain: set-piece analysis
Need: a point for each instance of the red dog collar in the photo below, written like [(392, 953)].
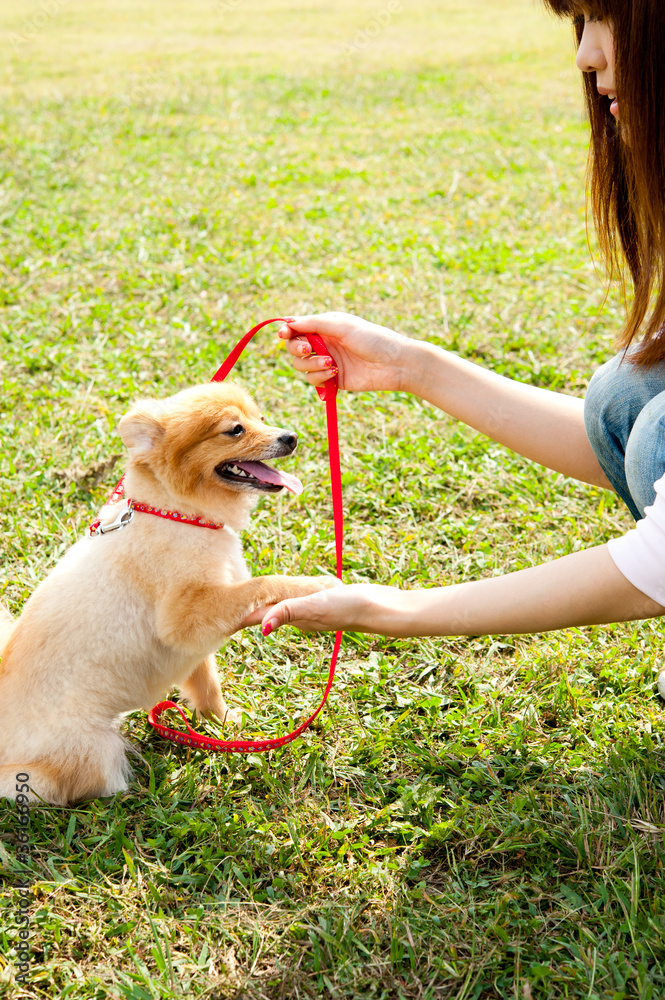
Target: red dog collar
[(173, 515), (125, 516)]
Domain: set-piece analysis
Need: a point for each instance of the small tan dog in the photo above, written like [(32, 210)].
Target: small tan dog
[(125, 616)]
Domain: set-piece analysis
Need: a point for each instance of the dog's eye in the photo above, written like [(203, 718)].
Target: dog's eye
[(235, 431)]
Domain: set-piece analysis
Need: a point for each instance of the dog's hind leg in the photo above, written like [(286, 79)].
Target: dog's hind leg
[(35, 782), (204, 692), (72, 771)]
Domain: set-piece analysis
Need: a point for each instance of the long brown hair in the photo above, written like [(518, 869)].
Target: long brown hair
[(627, 175)]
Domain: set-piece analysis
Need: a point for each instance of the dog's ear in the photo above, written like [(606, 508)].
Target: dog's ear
[(142, 428)]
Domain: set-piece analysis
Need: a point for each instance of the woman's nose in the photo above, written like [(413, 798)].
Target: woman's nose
[(590, 55)]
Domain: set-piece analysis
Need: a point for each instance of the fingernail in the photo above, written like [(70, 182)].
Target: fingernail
[(328, 362), (305, 350), (267, 628)]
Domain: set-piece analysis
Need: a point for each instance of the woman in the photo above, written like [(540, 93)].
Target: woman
[(614, 439)]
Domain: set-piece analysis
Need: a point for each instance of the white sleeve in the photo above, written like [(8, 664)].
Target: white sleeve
[(640, 554)]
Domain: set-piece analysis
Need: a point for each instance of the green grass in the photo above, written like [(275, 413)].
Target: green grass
[(469, 818)]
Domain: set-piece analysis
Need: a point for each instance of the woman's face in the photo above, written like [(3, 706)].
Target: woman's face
[(596, 55)]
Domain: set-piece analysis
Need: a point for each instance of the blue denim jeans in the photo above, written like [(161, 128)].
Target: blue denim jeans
[(624, 416)]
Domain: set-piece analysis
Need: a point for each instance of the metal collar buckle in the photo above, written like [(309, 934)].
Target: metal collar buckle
[(121, 521)]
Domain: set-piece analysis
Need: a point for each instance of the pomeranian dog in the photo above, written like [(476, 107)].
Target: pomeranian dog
[(142, 607)]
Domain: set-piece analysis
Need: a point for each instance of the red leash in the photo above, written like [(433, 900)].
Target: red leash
[(327, 392)]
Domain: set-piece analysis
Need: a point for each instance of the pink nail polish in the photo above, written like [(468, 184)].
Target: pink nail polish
[(267, 628)]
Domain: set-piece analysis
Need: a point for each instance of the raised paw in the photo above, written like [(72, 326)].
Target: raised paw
[(313, 584)]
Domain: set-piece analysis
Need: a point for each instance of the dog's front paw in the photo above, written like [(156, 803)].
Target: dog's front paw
[(327, 582), (303, 586)]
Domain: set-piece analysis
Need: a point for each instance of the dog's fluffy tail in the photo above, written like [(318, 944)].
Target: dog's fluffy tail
[(7, 624)]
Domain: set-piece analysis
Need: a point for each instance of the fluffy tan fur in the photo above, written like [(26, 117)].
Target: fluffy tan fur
[(125, 616)]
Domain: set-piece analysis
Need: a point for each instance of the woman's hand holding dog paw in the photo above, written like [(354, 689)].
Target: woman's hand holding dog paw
[(368, 356), (307, 586), (355, 607)]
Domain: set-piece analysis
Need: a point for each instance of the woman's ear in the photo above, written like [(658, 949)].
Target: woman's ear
[(141, 428)]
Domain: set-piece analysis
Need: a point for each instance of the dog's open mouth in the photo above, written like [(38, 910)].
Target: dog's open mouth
[(258, 476)]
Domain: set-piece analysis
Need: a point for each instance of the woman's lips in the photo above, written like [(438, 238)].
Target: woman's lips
[(613, 99)]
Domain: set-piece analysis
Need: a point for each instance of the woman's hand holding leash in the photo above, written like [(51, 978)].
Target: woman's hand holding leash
[(369, 357)]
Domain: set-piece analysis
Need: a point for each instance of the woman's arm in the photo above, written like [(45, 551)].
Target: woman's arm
[(584, 588), (545, 426)]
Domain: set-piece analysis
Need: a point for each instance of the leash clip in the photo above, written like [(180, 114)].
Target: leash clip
[(122, 520)]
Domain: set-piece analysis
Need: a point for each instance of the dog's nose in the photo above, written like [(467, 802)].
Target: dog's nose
[(289, 439)]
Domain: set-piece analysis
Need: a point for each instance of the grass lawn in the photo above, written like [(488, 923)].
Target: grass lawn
[(470, 818)]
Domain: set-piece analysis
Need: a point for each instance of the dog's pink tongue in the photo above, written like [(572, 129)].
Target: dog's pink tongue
[(266, 474)]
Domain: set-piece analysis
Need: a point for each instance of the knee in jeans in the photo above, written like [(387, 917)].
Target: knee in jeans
[(616, 395)]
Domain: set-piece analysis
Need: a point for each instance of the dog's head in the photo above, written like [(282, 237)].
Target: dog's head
[(206, 449)]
